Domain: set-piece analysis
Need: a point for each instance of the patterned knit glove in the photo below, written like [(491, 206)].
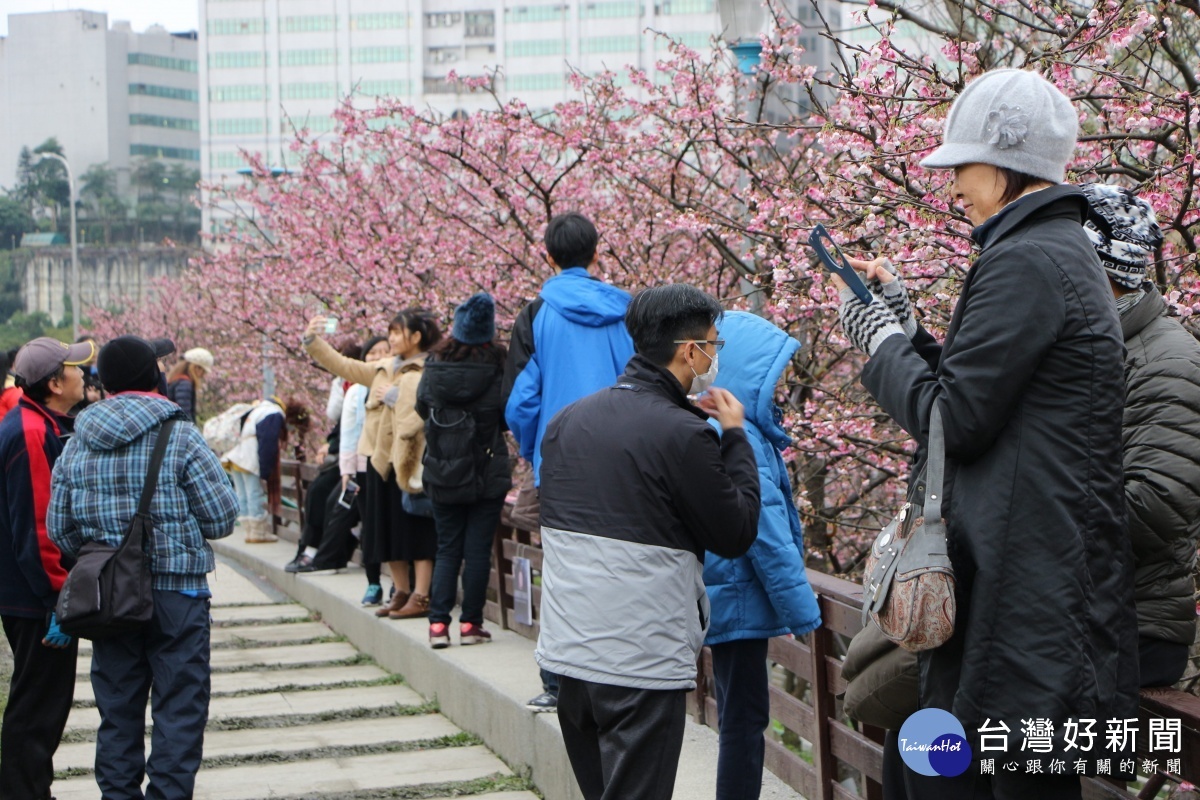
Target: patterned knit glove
[(895, 296), (866, 326)]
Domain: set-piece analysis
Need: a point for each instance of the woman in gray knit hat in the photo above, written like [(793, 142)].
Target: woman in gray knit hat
[(1029, 382)]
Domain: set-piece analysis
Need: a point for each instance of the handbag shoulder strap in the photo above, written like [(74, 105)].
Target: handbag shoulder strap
[(156, 460), (935, 466)]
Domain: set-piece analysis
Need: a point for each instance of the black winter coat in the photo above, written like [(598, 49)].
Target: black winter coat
[(466, 457), (1030, 384), (1162, 467)]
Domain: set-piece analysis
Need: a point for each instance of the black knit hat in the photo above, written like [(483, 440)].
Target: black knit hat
[(128, 363), (1122, 228), (475, 320)]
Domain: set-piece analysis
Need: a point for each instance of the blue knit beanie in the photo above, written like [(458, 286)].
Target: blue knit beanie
[(475, 320)]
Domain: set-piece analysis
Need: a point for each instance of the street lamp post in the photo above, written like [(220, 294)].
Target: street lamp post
[(74, 245)]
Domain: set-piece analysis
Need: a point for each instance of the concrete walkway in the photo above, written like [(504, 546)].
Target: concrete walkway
[(481, 689), (297, 712)]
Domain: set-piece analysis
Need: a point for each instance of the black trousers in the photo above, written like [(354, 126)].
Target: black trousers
[(901, 783), (623, 743), (316, 504), (744, 712), (39, 700), (465, 535), (167, 661)]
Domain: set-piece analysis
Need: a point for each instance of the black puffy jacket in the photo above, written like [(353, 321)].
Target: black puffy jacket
[(466, 457), (1030, 384), (1161, 436)]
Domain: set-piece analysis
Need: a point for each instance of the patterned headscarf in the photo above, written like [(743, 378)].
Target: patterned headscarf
[(1123, 230)]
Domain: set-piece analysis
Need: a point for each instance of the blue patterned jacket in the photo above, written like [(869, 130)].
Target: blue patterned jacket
[(98, 481)]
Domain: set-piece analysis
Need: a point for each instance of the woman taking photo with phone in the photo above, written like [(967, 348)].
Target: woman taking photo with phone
[(1030, 385)]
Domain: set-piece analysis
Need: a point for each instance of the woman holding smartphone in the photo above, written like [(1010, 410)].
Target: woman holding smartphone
[(1030, 385)]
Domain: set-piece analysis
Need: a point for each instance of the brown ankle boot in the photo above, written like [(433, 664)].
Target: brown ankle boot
[(397, 602), (417, 606)]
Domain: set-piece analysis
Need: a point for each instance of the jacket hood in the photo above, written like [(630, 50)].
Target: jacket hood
[(751, 363), (120, 420), (458, 383), (584, 299), (1148, 309)]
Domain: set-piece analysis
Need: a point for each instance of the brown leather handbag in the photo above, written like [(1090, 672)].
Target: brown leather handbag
[(908, 584)]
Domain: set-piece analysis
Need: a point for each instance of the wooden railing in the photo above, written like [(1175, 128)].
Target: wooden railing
[(813, 746)]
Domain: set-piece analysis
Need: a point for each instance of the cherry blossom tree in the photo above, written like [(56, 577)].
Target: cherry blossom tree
[(696, 173)]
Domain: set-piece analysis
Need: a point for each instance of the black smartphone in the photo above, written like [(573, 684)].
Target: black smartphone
[(348, 494), (835, 261)]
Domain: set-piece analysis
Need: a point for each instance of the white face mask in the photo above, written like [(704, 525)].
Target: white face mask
[(701, 383)]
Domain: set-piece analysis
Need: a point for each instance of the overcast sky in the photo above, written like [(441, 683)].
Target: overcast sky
[(174, 15)]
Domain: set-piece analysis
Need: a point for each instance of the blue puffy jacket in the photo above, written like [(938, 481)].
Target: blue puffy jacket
[(764, 593), (568, 344)]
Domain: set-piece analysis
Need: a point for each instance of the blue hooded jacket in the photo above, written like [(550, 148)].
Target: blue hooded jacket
[(580, 346), (764, 593)]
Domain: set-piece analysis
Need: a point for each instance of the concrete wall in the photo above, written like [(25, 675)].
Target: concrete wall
[(109, 276)]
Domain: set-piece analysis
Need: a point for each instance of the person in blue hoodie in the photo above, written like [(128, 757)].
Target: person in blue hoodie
[(94, 494), (568, 343), (764, 593)]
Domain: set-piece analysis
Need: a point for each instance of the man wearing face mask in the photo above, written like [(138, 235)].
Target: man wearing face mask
[(635, 487)]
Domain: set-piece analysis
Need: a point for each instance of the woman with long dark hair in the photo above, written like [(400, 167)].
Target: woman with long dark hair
[(466, 471)]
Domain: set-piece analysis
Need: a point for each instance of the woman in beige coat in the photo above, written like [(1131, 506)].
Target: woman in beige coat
[(393, 441)]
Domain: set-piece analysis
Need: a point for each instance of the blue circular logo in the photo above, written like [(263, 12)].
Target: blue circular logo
[(933, 742)]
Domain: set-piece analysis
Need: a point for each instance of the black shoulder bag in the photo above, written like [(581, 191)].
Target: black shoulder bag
[(110, 590)]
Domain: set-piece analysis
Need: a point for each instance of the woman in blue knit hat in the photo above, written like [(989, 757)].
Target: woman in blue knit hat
[(1030, 386), (466, 468)]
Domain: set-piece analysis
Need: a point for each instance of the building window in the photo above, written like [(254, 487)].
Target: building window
[(314, 125), (165, 92), (479, 52), (443, 19), (384, 88), (610, 10), (243, 93), (536, 83), (243, 126), (236, 27), (310, 24), (172, 123), (162, 62), (696, 40), (533, 47), (229, 159), (236, 60), (610, 44), (309, 91), (442, 55), (686, 7), (521, 14), (378, 55), (378, 22), (307, 58), (481, 23), (154, 151)]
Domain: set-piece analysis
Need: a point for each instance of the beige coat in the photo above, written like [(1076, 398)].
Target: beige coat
[(401, 437)]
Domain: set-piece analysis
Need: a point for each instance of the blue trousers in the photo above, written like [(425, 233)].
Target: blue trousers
[(252, 500), (743, 713), (166, 661), (465, 534)]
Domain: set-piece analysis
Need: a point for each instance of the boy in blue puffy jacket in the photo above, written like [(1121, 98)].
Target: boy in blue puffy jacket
[(764, 593)]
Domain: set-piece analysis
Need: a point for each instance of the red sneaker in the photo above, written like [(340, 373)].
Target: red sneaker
[(439, 635), (470, 633)]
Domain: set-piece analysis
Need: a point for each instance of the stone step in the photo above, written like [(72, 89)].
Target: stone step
[(219, 744), (230, 588), (227, 683), (330, 777), (284, 633), (287, 655), (255, 615), (280, 704)]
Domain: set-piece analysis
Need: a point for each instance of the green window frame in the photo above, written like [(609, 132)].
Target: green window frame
[(386, 21), (536, 83), (674, 7), (520, 48), (610, 44), (237, 126), (156, 151), (165, 92), (308, 58), (238, 93), (535, 14), (385, 88), (163, 62), (610, 10), (323, 90), (237, 60), (379, 55), (237, 27), (312, 23), (159, 121)]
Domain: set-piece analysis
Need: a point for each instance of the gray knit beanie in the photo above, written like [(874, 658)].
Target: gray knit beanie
[(1010, 118)]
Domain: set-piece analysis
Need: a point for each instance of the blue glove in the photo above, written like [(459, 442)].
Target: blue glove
[(54, 636)]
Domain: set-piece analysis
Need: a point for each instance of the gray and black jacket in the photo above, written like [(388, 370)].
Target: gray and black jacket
[(636, 485), (1161, 436)]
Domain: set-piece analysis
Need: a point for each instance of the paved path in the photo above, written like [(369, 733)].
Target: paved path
[(298, 713)]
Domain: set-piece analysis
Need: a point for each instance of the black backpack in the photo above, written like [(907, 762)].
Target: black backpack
[(451, 469), (110, 590)]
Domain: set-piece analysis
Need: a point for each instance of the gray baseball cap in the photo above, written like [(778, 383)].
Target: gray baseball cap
[(1010, 118), (43, 356)]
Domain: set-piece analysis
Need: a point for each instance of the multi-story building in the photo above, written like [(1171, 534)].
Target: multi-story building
[(109, 95)]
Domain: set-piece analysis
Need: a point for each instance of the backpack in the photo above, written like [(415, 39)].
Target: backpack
[(450, 468), (223, 431)]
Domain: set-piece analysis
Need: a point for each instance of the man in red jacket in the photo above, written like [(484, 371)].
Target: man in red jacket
[(31, 568)]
